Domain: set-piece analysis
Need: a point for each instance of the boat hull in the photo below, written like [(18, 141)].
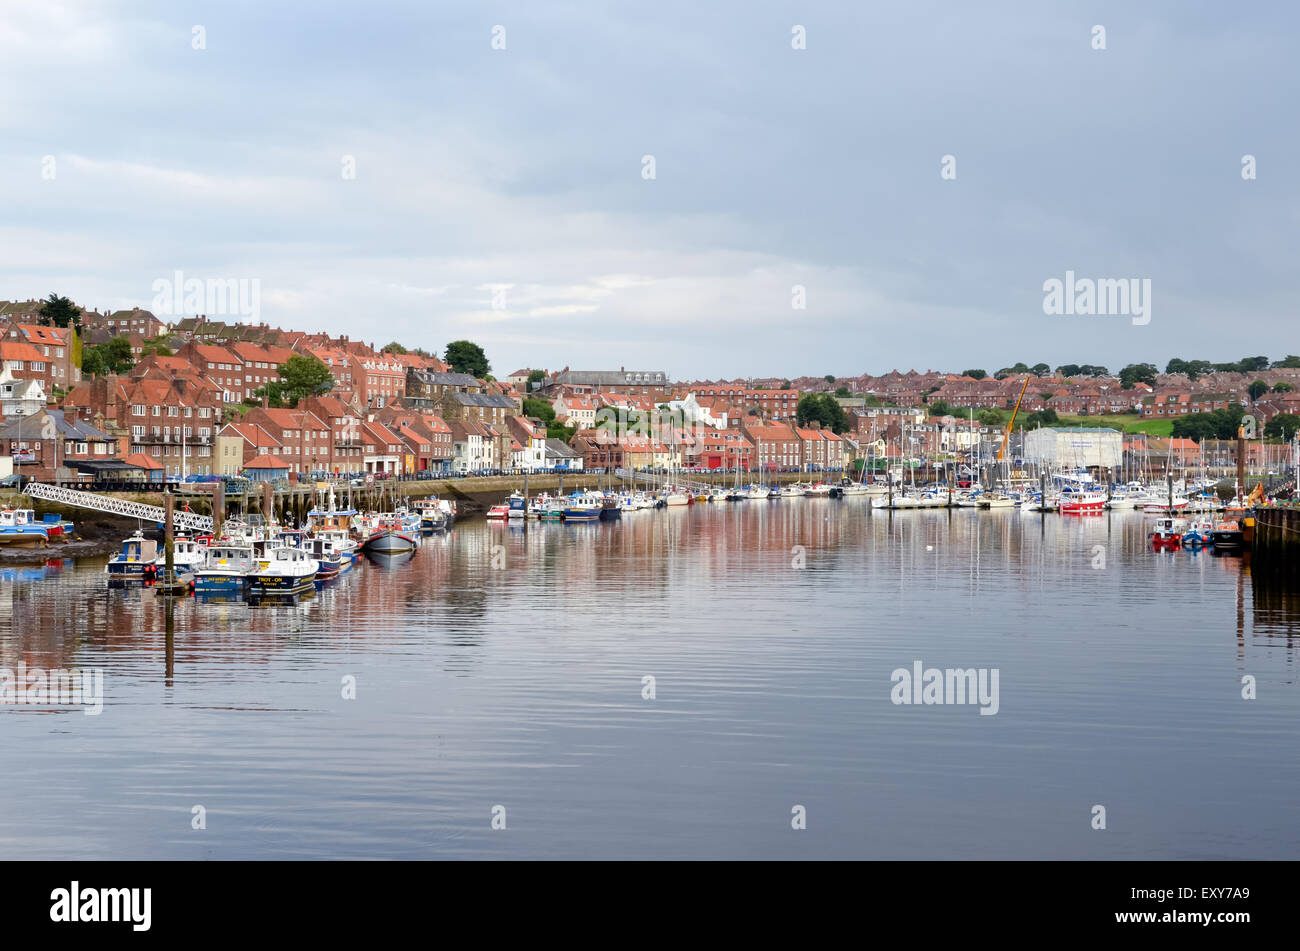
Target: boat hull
[(260, 585), (221, 583), (390, 542)]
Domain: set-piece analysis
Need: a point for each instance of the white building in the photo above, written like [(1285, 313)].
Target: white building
[(20, 397), (1090, 447), (692, 413)]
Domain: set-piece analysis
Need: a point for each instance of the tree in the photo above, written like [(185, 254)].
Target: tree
[(58, 311), (557, 430), (1137, 373), (394, 347), (785, 384), (1282, 426), (1044, 417), (1282, 387), (112, 357), (1220, 424), (821, 408), (465, 356), (301, 376), (1068, 369), (92, 362), (1257, 389), (1040, 369), (843, 391), (990, 417), (940, 408), (1290, 362), (829, 378), (1176, 366), (539, 409), (534, 376), (1011, 371), (974, 374)]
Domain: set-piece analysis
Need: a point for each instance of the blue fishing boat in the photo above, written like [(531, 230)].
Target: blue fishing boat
[(19, 529), (331, 560), (226, 570), (137, 561), (582, 507)]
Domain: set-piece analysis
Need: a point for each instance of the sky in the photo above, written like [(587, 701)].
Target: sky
[(503, 194)]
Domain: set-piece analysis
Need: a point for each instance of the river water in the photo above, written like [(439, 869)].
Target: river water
[(501, 677)]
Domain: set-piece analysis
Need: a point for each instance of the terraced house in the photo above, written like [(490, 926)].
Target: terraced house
[(306, 442), (219, 365), (57, 345), (1185, 403), (776, 445)]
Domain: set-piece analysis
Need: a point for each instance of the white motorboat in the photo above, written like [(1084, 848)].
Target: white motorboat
[(286, 570)]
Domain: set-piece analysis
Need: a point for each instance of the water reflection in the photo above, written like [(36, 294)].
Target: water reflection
[(505, 663)]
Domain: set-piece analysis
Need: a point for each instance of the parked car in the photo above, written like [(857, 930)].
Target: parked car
[(15, 481)]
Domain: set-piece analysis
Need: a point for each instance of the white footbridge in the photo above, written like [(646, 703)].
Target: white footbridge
[(190, 521)]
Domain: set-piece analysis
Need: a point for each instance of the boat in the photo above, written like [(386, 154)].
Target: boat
[(517, 505), (1168, 532), (225, 570), (287, 570), (55, 525), (1074, 501), (757, 493), (996, 500), (1199, 533), (340, 542), (187, 555), (498, 512), (432, 516), (432, 507), (582, 507), (607, 506), (137, 561), (331, 560), (677, 497), (19, 529), (388, 532), (1227, 535)]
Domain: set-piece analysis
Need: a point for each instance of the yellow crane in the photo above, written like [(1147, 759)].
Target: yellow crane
[(1007, 436)]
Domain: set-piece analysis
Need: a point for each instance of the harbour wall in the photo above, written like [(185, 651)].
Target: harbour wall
[(1276, 545)]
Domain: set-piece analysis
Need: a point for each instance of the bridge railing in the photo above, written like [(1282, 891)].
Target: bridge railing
[(191, 521)]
